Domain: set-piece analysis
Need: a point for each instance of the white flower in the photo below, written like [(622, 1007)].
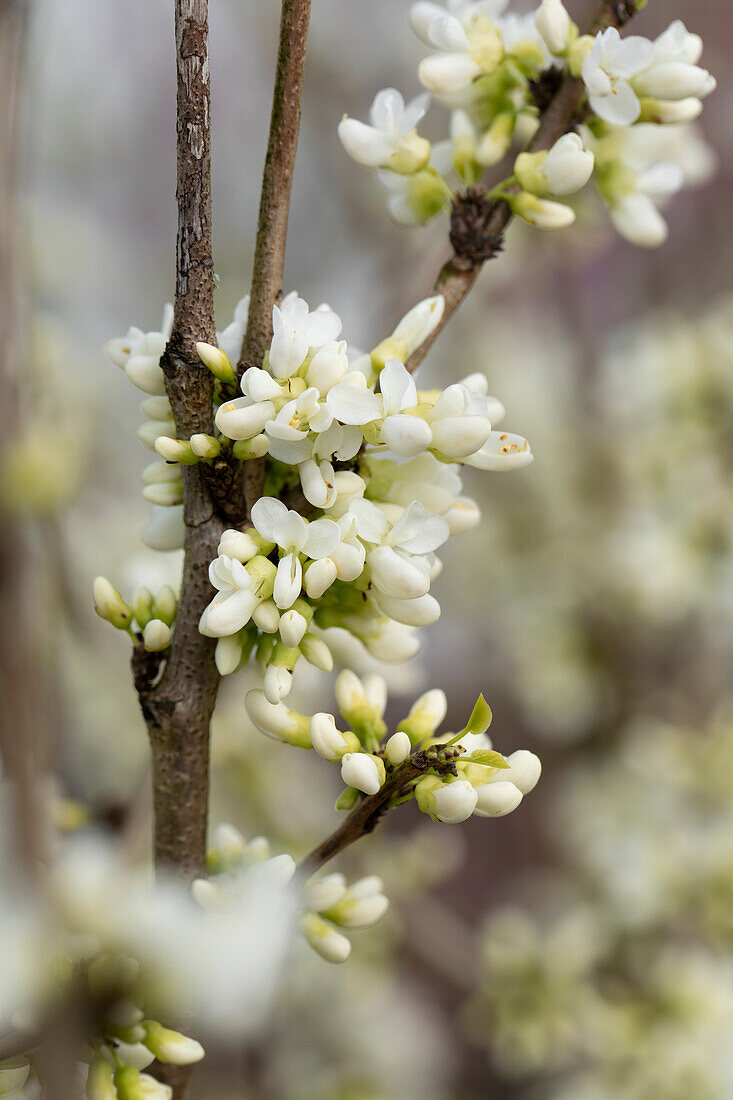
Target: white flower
[(397, 562), (317, 480), (232, 607), (495, 799), (391, 140), (288, 530), (165, 529), (469, 42), (414, 328), (350, 554), (138, 354), (673, 73), (361, 770), (553, 24), (458, 421), (607, 70), (328, 366), (454, 802), (277, 683), (243, 418), (405, 435), (414, 200), (415, 612), (502, 451), (295, 330), (230, 340), (636, 216), (563, 170)]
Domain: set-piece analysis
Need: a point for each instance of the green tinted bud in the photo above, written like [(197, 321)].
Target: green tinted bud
[(142, 606), (217, 361), (165, 605), (578, 51), (528, 170), (412, 154), (262, 573), (109, 605)]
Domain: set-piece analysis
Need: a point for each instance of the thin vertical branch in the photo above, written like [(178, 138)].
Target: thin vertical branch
[(178, 709), (272, 226)]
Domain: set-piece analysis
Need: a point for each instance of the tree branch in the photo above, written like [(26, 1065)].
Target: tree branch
[(459, 274), (178, 709), (272, 226), (366, 816)]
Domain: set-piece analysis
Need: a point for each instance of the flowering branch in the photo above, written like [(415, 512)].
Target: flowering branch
[(179, 706), (470, 251), (272, 226)]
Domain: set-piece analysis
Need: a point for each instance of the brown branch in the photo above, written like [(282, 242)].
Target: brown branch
[(272, 226), (178, 709), (368, 813), (459, 274)]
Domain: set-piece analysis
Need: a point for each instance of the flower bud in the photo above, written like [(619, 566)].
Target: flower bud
[(267, 617), (166, 530), (217, 362), (171, 1046), (497, 799), (278, 683), (393, 642), (205, 446), (227, 843), (497, 139), (175, 450), (319, 576), (540, 212), (165, 604), (109, 605), (363, 771), (420, 612), (278, 721), (145, 373), (463, 515), (398, 748), (293, 626), (670, 111), (554, 26), (674, 80), (256, 447), (426, 714), (524, 770), (455, 802), (156, 635), (328, 366), (325, 939), (228, 654), (142, 606), (328, 741), (165, 494), (317, 653), (362, 905), (324, 892)]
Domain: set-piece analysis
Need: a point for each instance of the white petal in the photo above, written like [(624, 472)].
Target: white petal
[(364, 144), (288, 581), (322, 538), (353, 404), (266, 514), (418, 531), (420, 612), (371, 523), (397, 387), (398, 575), (638, 220), (406, 435), (447, 73)]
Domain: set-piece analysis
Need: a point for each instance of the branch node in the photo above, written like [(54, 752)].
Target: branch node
[(473, 244)]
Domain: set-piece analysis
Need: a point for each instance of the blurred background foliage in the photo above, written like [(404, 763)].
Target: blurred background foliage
[(582, 948)]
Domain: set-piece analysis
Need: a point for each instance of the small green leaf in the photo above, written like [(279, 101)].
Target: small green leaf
[(347, 799), (488, 757), (480, 719)]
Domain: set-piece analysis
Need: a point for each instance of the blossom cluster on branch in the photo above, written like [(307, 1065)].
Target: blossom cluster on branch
[(496, 72)]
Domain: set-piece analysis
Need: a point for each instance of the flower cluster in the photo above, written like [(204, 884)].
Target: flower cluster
[(496, 73), (455, 775), (327, 902), (375, 462)]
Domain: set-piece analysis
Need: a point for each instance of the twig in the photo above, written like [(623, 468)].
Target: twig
[(272, 226), (366, 816), (178, 709), (458, 275)]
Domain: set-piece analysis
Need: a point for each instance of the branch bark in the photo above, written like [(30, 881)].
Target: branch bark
[(178, 709), (272, 227), (368, 813), (457, 277)]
